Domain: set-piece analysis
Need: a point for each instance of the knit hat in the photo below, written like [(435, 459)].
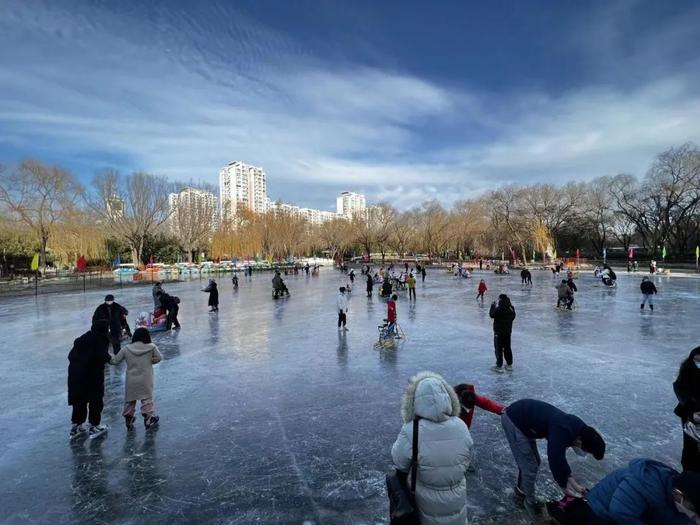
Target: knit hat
[(109, 297), (689, 484), (592, 442)]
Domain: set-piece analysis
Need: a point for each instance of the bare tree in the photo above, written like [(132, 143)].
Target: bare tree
[(131, 206), (39, 196), (193, 218)]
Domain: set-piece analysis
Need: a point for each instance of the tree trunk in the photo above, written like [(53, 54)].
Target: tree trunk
[(135, 256), (42, 251)]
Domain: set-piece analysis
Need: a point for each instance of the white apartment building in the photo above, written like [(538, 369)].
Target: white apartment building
[(313, 216), (349, 204), (192, 204), (242, 184)]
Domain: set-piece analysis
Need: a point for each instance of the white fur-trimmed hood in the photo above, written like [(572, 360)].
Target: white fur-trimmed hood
[(437, 399)]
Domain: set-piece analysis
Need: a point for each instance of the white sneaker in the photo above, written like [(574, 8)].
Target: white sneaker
[(497, 369), (509, 368)]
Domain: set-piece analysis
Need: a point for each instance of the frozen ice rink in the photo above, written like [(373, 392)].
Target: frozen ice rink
[(269, 416)]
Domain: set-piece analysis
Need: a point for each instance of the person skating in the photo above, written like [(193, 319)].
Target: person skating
[(570, 282), (234, 281), (526, 421), (565, 294), (171, 304), (411, 282), (687, 390), (341, 304), (352, 276), (468, 400), (481, 290), (645, 492), (370, 285), (444, 446), (386, 287), (422, 273), (503, 315), (112, 312), (86, 379), (524, 273), (140, 356), (278, 286), (648, 290), (213, 292), (391, 314)]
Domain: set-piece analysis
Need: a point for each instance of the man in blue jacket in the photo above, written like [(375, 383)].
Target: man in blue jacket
[(528, 420), (646, 492)]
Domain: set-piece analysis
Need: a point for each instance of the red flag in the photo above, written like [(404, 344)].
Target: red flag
[(82, 264)]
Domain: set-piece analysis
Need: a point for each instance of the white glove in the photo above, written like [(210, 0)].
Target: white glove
[(574, 489)]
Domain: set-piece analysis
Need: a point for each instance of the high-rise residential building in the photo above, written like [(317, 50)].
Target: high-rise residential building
[(192, 209), (349, 204), (242, 185)]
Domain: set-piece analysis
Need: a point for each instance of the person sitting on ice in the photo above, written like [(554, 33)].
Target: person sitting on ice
[(608, 276), (468, 399), (526, 421), (278, 285), (643, 492)]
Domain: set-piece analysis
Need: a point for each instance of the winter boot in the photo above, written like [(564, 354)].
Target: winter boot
[(641, 306), (651, 306), (150, 421), (129, 420)]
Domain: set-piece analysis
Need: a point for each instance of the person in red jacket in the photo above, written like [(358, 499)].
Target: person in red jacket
[(391, 313), (482, 289), (468, 399)]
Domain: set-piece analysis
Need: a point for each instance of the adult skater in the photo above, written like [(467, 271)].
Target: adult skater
[(503, 314), (525, 277), (411, 283), (352, 276), (112, 312), (648, 290), (481, 290), (140, 356), (341, 303), (422, 273), (278, 286), (430, 411), (234, 281), (158, 287), (528, 420), (86, 379), (213, 292), (370, 285), (468, 400), (652, 266), (171, 304), (306, 268), (565, 294), (687, 390), (645, 491)]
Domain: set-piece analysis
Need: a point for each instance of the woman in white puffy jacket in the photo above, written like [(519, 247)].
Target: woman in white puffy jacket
[(444, 445)]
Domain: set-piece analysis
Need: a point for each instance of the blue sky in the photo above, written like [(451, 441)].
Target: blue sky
[(404, 100)]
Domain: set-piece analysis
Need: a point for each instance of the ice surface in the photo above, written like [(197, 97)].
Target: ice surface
[(269, 416)]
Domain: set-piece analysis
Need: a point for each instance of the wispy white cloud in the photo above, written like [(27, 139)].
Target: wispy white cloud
[(171, 95)]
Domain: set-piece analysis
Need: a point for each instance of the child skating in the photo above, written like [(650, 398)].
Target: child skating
[(140, 356), (481, 290)]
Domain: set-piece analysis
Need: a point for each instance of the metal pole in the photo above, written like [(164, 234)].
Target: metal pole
[(83, 282), (36, 283)]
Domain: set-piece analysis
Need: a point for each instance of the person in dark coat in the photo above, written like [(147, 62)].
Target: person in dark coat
[(172, 306), (213, 295), (648, 290), (687, 390), (503, 314), (158, 287), (646, 492), (370, 285), (86, 377), (113, 313), (528, 420)]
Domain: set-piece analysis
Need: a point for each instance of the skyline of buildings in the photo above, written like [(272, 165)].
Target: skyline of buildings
[(192, 208)]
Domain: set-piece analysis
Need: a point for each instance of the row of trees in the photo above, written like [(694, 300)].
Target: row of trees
[(44, 209)]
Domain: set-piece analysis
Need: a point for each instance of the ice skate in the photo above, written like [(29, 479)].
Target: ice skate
[(509, 368), (150, 421), (77, 431), (97, 431), (498, 369), (129, 421)]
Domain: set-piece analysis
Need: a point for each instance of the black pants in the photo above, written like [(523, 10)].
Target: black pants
[(172, 318), (80, 412), (116, 343), (342, 319), (690, 458), (501, 343), (411, 293)]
